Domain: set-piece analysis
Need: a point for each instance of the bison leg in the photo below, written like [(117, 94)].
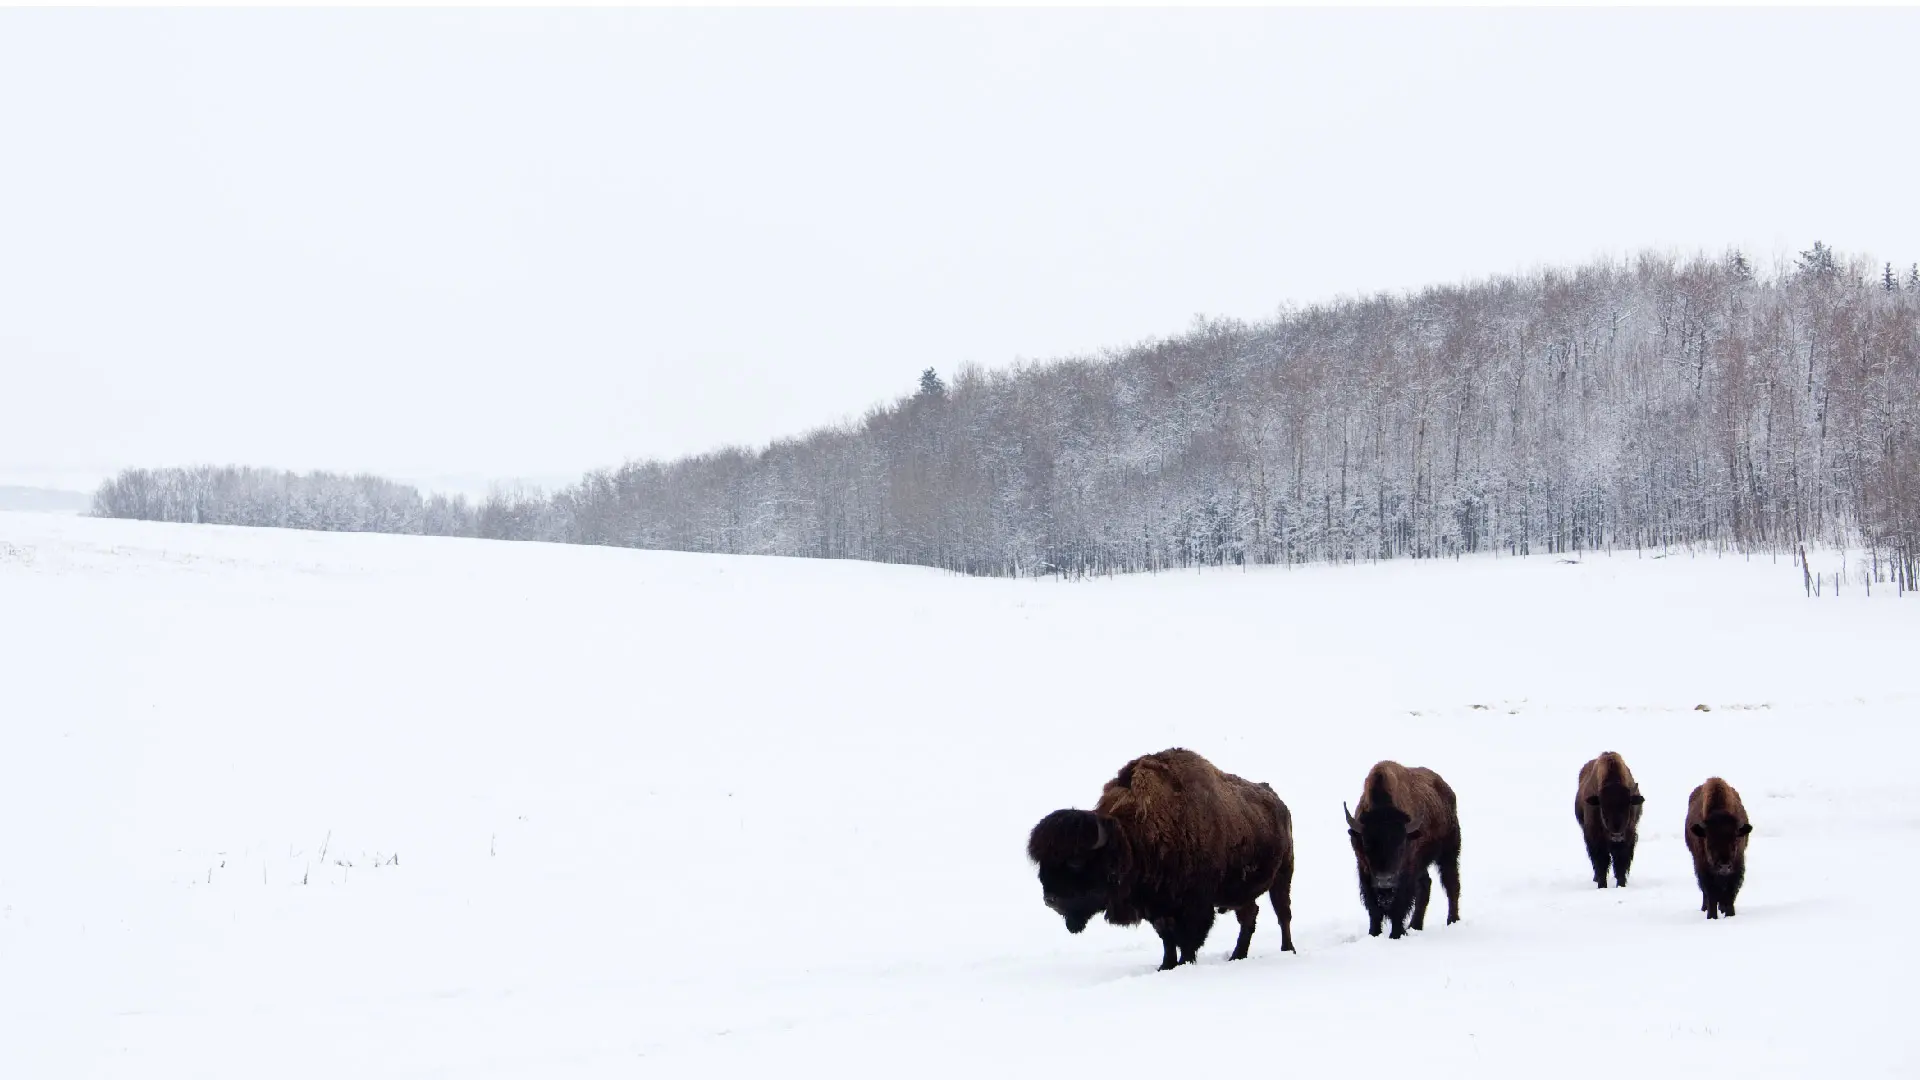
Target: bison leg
[(1195, 925), (1169, 943), (1622, 862), (1282, 897), (1248, 915), (1422, 892), (1402, 904), (1450, 881), (1597, 855)]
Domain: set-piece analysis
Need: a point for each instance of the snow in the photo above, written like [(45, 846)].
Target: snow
[(580, 812)]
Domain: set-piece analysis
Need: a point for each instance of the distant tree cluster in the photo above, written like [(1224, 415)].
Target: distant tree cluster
[(322, 501), (1634, 404)]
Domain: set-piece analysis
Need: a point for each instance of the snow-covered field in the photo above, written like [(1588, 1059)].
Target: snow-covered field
[(296, 805)]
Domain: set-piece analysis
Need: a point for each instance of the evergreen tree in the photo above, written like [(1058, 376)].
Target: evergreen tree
[(1818, 263), (1738, 266), (930, 384), (1888, 281)]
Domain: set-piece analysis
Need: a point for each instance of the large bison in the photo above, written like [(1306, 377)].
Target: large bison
[(1172, 841), (1607, 806), (1407, 822), (1717, 829)]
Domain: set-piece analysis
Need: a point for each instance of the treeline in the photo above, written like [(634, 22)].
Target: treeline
[(1635, 404), (326, 502)]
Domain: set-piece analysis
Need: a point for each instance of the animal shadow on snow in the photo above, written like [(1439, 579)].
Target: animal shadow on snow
[(1123, 965)]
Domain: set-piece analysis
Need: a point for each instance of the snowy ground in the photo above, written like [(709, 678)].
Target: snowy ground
[(295, 805)]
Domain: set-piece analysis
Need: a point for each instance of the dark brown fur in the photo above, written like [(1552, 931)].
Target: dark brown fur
[(1716, 833), (1407, 821), (1607, 806), (1172, 841)]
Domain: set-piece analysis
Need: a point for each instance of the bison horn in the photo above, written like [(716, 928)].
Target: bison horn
[(1100, 836), (1349, 813)]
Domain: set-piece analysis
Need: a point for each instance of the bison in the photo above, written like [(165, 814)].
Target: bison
[(1172, 841), (1607, 806), (1717, 829), (1407, 822)]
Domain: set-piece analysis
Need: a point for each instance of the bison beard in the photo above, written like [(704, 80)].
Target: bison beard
[(1407, 822), (1172, 842)]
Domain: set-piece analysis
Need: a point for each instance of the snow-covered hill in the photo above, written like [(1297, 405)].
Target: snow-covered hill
[(39, 500), (303, 805)]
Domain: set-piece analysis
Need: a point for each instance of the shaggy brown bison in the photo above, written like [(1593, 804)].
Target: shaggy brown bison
[(1407, 822), (1717, 829), (1172, 841), (1607, 806)]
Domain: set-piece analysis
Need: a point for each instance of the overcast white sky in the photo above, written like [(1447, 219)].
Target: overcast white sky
[(525, 244)]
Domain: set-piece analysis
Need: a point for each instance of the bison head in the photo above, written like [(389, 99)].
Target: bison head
[(1619, 810), (1383, 845), (1079, 855), (1725, 836)]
